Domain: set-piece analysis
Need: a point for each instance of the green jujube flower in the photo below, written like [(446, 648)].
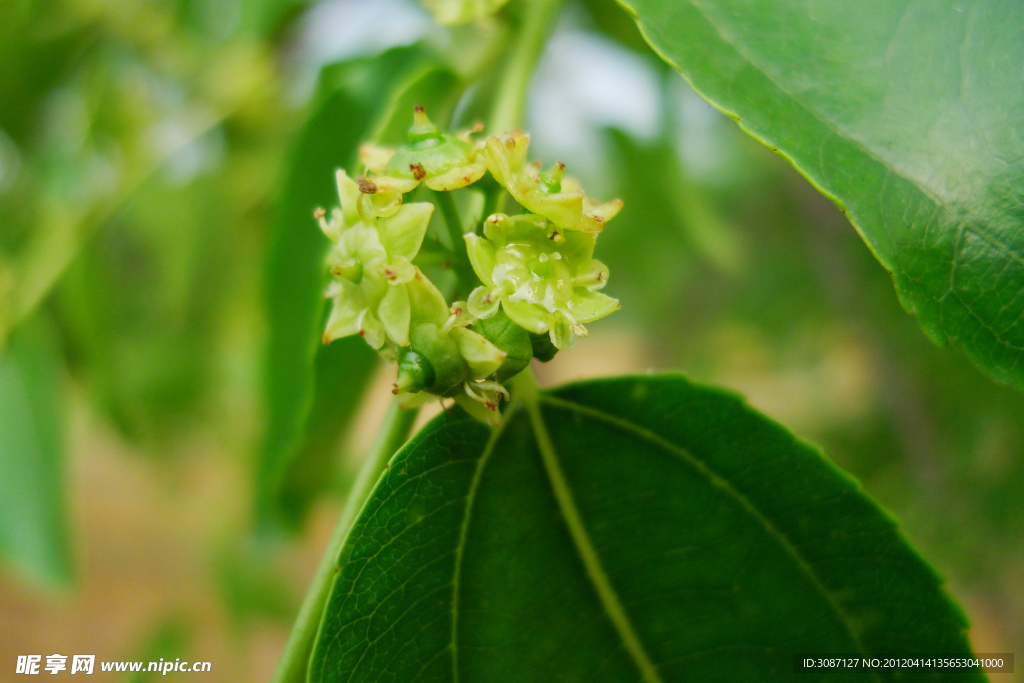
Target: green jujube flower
[(440, 161), (447, 359), (557, 198), (545, 281), (371, 263), (540, 280)]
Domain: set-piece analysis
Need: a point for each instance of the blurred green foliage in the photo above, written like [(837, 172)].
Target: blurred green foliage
[(33, 530), (159, 163), (169, 640)]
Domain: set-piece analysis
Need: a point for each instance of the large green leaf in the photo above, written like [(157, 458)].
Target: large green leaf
[(909, 115), (33, 527), (312, 389), (623, 530)]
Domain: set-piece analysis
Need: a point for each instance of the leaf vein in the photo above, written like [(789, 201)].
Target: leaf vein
[(585, 548), (727, 488)]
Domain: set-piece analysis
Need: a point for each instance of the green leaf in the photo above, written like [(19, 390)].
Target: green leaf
[(909, 116), (629, 529), (33, 525), (312, 390)]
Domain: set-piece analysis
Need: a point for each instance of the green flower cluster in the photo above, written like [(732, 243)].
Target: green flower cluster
[(538, 279)]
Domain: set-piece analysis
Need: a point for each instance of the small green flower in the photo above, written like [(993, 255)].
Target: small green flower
[(453, 12), (438, 160), (558, 199), (446, 359), (545, 281), (539, 277), (371, 265)]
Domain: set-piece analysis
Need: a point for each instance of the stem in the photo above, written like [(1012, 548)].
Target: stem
[(294, 662), (453, 221), (467, 278), (524, 386), (533, 34)]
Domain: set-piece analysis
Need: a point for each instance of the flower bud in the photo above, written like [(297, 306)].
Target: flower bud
[(442, 352), (513, 340), (415, 372)]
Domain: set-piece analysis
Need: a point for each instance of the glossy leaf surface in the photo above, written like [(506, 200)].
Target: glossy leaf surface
[(623, 530), (909, 115), (33, 527)]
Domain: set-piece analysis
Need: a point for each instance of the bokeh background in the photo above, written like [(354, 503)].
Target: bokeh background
[(146, 151)]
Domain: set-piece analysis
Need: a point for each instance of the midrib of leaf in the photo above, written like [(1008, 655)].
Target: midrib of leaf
[(584, 546), (460, 548), (725, 486)]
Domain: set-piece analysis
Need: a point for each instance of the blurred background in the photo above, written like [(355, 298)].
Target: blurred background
[(163, 437)]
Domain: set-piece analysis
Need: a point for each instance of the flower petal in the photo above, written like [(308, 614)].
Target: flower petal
[(402, 234), (483, 301), (371, 329), (394, 314), (481, 257), (596, 215), (478, 410), (387, 184), (483, 357), (375, 158), (564, 209), (531, 317), (562, 335), (505, 155), (578, 247), (457, 177), (426, 303), (592, 275), (349, 196), (332, 228), (343, 321), (587, 306)]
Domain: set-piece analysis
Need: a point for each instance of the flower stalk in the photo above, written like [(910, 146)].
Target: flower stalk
[(294, 662)]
